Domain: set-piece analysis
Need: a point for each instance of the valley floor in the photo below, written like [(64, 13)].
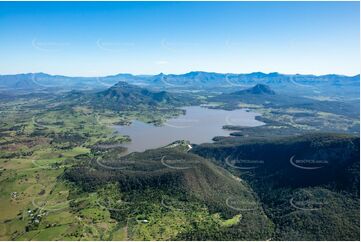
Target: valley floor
[(55, 181)]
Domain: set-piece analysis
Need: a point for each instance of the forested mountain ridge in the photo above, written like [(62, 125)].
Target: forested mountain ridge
[(178, 181), (311, 177), (125, 96)]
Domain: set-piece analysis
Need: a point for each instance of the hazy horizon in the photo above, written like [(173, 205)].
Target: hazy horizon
[(183, 73)]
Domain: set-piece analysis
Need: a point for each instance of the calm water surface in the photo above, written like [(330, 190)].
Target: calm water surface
[(198, 125)]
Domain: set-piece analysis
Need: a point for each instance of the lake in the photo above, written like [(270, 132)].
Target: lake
[(198, 125)]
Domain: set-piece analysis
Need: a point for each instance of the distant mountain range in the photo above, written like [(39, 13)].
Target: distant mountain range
[(196, 78), (334, 86)]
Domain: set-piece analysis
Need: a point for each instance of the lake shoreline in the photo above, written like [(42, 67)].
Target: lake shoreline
[(198, 125)]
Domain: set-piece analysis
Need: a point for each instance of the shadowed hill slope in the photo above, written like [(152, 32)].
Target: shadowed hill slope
[(308, 184)]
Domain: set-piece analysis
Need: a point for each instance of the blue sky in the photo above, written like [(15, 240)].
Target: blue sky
[(100, 38)]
